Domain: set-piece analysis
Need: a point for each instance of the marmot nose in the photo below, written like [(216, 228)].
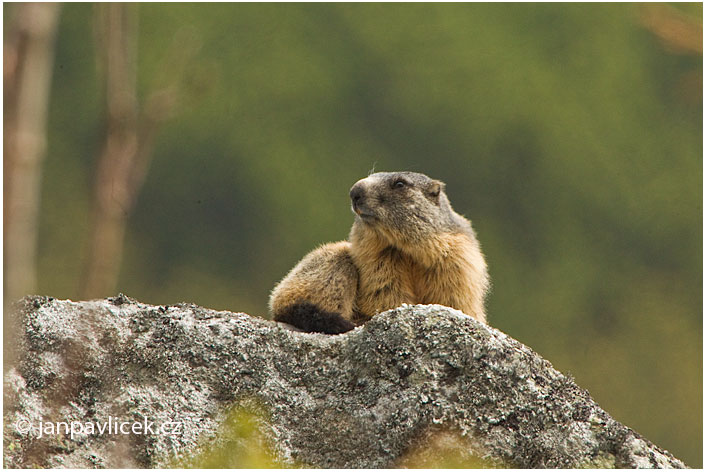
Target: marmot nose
[(357, 193)]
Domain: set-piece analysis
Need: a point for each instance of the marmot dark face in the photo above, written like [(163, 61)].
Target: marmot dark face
[(403, 206)]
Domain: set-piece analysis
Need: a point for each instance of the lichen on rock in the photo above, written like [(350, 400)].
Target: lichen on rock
[(363, 399)]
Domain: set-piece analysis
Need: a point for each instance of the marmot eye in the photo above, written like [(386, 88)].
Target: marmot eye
[(399, 184)]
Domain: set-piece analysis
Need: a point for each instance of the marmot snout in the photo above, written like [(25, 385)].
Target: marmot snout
[(407, 245), (408, 204)]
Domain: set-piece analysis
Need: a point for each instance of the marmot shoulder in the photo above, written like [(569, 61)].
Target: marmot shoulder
[(407, 245)]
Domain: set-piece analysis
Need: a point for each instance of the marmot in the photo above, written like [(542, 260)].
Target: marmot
[(407, 245)]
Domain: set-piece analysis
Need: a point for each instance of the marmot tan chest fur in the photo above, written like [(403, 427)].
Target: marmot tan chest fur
[(407, 245)]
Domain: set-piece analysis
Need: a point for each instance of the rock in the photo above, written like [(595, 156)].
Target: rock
[(362, 399)]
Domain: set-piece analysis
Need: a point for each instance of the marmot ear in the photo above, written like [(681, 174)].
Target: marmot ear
[(435, 189)]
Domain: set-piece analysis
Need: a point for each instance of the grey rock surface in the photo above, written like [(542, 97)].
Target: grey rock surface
[(360, 399)]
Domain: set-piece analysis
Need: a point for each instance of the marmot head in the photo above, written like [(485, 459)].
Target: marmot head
[(403, 206)]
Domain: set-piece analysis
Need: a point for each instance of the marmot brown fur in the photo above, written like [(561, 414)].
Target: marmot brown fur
[(407, 245)]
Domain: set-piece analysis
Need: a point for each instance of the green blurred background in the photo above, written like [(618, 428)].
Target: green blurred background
[(570, 134)]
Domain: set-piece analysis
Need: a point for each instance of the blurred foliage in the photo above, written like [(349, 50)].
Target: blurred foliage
[(240, 443), (447, 450), (571, 134)]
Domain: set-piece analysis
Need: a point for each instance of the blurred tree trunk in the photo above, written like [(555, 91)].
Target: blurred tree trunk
[(129, 137), (28, 61), (116, 27)]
